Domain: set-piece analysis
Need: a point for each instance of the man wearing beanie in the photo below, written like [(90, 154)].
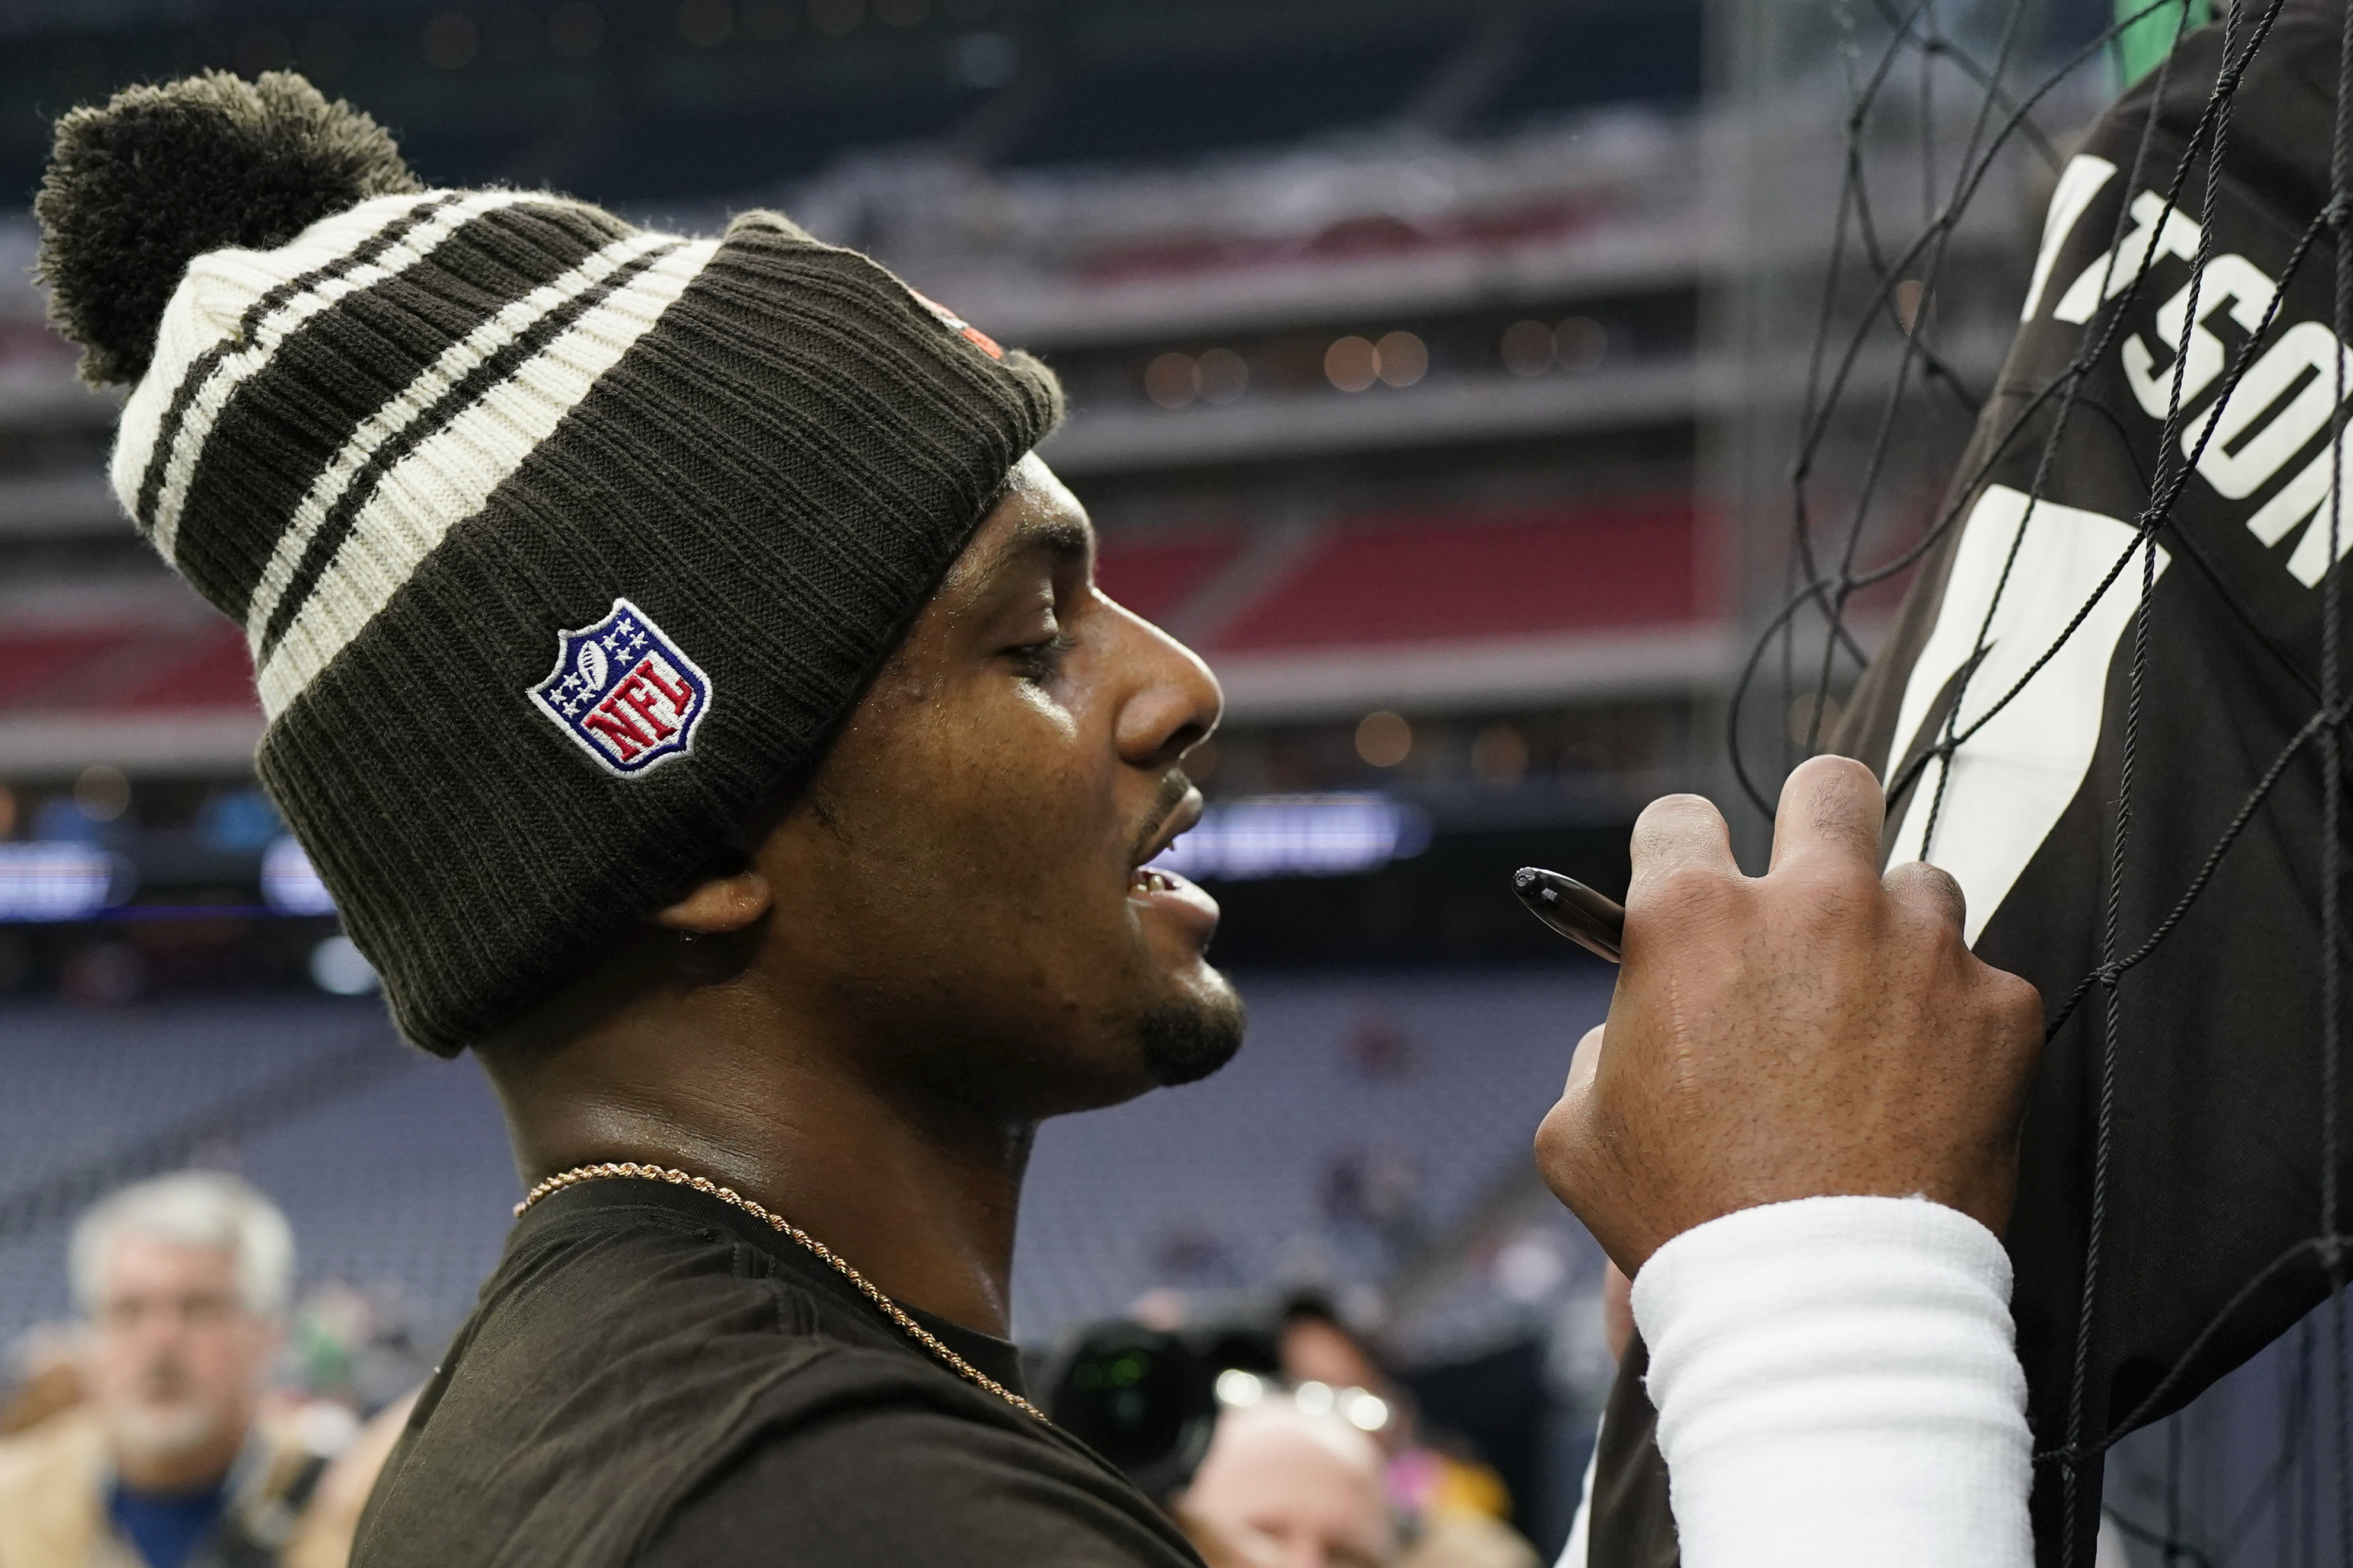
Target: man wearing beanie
[(695, 694), (699, 706)]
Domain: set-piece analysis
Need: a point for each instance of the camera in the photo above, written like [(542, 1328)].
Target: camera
[(1145, 1398)]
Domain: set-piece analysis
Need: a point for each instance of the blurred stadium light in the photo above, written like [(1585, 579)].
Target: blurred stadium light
[(290, 884), (1298, 836), (340, 969), (58, 881)]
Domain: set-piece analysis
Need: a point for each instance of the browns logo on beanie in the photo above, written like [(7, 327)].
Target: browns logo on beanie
[(560, 545)]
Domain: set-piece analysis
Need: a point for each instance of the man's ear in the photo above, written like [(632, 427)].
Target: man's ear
[(719, 904)]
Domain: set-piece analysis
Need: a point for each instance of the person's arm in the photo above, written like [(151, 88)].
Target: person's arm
[(1835, 1384), (1800, 1140)]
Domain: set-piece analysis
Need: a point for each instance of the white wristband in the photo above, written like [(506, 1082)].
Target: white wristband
[(1836, 1385)]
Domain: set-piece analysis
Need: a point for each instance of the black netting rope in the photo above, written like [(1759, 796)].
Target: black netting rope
[(1831, 593), (2112, 915), (2340, 171), (1824, 583)]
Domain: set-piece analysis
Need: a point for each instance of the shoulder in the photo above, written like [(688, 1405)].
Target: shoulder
[(910, 1471), (618, 1361), (49, 1491), (607, 1293), (66, 1450), (636, 1322)]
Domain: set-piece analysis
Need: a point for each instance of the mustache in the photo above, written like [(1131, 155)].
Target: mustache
[(1173, 787), (165, 1376)]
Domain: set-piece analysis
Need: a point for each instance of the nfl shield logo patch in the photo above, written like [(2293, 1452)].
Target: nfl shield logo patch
[(625, 693)]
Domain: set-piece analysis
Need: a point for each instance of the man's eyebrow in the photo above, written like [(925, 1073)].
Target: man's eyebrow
[(1064, 537)]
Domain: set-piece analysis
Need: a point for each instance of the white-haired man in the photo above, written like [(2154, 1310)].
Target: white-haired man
[(183, 1282), (1282, 1487)]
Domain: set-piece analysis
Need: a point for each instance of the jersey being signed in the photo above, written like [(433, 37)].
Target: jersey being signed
[(2018, 642)]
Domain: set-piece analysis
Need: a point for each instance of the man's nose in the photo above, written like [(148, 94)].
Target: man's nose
[(1174, 700), (158, 1333), (159, 1352)]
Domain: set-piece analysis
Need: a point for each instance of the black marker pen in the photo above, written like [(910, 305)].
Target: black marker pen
[(1594, 923)]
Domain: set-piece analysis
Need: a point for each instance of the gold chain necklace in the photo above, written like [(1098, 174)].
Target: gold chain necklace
[(891, 1309)]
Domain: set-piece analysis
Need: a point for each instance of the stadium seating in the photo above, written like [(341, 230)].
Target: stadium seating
[(123, 667), (1420, 578), (91, 1089), (1426, 1087), (1430, 579), (1155, 575)]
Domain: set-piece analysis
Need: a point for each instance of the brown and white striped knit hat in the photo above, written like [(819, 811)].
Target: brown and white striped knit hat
[(560, 545)]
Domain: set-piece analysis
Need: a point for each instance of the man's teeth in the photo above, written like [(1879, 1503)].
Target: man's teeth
[(1151, 881)]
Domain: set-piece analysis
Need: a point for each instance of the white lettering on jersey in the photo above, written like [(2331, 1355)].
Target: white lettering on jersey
[(2286, 398), (2083, 178), (2158, 230), (2227, 280), (2237, 461), (2013, 778), (2307, 496)]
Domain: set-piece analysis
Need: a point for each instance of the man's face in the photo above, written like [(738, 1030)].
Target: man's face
[(966, 871), (176, 1358), (1281, 1489)]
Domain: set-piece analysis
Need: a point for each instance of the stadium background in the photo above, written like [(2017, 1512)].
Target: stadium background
[(1436, 371)]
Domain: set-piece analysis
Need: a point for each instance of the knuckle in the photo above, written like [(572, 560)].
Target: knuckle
[(1931, 925), (1562, 1150), (2022, 1002), (1858, 835), (1834, 892), (2011, 1008), (1685, 891), (1924, 876)]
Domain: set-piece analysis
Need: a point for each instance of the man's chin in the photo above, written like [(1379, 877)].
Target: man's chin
[(1184, 1042)]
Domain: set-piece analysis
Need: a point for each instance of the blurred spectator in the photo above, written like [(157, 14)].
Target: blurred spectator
[(1454, 1507), (1283, 1488), (332, 1522), (241, 819), (169, 1460), (1317, 1346), (360, 1348), (1380, 1190), (1381, 1052)]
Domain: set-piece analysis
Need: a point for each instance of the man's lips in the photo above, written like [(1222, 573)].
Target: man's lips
[(1179, 899), (1182, 815), (1158, 888)]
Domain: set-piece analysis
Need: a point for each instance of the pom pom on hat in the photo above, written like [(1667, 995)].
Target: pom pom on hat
[(159, 175)]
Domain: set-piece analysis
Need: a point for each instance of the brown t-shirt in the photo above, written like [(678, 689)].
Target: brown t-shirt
[(653, 1377)]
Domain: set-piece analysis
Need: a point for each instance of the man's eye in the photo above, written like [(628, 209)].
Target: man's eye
[(1041, 660)]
